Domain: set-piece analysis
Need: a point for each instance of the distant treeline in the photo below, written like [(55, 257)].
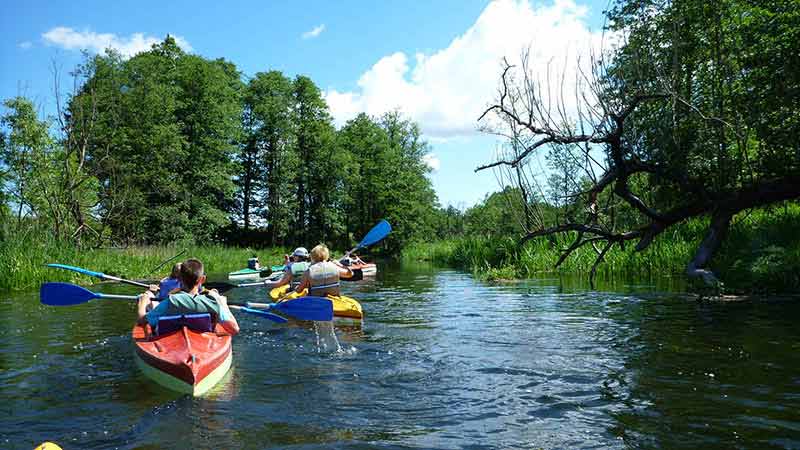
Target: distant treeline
[(168, 146)]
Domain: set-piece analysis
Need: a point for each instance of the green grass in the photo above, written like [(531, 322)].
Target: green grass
[(23, 257), (761, 254)]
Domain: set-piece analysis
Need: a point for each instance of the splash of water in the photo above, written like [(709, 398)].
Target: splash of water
[(326, 338)]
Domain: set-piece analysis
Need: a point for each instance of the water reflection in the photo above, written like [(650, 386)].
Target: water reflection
[(441, 362)]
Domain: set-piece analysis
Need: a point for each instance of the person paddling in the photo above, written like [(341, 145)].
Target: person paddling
[(293, 271), (189, 300), (322, 277), (351, 260), (170, 284)]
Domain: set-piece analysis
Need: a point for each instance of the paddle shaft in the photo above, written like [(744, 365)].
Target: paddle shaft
[(100, 275), (165, 262)]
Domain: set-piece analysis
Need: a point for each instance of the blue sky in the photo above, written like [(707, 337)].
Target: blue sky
[(437, 61)]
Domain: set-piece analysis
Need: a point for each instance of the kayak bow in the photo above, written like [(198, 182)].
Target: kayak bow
[(186, 361)]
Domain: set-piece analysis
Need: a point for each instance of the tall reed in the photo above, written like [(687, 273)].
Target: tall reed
[(23, 260), (762, 253)]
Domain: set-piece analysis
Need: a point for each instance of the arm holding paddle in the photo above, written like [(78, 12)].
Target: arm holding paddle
[(227, 319), (142, 306)]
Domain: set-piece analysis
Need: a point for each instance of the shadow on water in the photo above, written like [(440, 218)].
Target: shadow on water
[(442, 361)]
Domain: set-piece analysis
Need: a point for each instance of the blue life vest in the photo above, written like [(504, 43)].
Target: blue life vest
[(166, 286)]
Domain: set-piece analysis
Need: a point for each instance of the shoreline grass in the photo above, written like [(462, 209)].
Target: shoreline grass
[(23, 260), (760, 255)]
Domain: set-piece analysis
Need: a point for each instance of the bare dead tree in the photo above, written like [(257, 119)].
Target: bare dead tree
[(77, 126), (597, 130)]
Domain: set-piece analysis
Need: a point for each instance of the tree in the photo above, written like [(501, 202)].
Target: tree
[(695, 116), (23, 152), (269, 101), (161, 141), (389, 180), (320, 172)]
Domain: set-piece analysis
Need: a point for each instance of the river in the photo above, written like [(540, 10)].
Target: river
[(442, 361)]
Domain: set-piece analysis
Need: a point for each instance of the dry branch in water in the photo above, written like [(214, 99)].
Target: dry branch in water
[(597, 134)]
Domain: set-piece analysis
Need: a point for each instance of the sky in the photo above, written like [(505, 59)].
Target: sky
[(438, 62)]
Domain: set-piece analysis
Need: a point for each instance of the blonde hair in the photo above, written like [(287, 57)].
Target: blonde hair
[(320, 253)]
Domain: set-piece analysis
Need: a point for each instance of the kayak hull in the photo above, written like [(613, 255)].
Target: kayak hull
[(346, 310), (366, 269), (185, 361), (245, 274)]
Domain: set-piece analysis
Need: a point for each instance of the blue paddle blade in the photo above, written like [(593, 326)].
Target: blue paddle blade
[(378, 232), (64, 294), (307, 308), (261, 313), (91, 273)]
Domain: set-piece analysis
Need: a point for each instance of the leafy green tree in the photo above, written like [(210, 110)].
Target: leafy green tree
[(23, 150), (389, 179), (319, 175), (269, 128), (163, 141)]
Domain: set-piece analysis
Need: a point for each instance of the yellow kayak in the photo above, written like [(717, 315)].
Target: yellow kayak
[(345, 309)]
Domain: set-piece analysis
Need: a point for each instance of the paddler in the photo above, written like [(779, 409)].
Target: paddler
[(350, 260), (322, 276), (189, 300), (295, 266), (166, 286), (170, 284)]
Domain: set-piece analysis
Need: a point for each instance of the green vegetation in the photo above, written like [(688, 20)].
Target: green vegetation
[(169, 147), (682, 140), (681, 158), (23, 259), (762, 254)]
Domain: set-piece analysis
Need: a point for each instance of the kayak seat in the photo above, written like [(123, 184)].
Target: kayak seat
[(200, 322)]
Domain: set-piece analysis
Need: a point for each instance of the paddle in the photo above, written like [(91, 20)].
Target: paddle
[(377, 233), (223, 286), (165, 262), (305, 308), (66, 294), (258, 312), (100, 275)]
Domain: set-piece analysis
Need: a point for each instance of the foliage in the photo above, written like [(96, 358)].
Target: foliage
[(162, 141), (388, 179), (23, 260), (171, 147), (761, 255)]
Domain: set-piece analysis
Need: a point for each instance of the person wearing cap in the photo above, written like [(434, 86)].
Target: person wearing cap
[(323, 275), (296, 265)]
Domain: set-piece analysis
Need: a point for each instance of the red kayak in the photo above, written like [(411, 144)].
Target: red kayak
[(184, 359)]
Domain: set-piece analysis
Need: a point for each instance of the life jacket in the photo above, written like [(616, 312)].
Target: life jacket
[(324, 278), (183, 303), (166, 286), (297, 269)]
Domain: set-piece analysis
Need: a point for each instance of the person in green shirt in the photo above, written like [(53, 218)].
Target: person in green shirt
[(293, 271), (189, 300)]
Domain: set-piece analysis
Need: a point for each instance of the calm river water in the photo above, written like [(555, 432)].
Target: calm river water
[(442, 361)]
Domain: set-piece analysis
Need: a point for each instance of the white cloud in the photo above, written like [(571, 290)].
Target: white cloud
[(70, 39), (447, 90), (25, 45), (432, 161), (314, 32)]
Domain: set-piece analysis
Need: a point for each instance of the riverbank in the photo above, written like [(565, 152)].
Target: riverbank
[(761, 254), (23, 260)]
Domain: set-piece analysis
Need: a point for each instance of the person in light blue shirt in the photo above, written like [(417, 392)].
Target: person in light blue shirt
[(189, 300)]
